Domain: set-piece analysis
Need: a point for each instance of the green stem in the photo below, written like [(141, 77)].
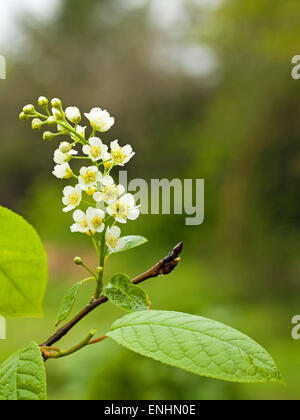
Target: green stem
[(101, 265), (74, 349), (90, 271)]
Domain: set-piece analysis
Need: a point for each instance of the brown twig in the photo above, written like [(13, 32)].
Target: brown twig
[(163, 267)]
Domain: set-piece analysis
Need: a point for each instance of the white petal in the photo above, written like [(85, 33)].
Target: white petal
[(68, 190), (97, 196), (115, 231), (128, 199), (127, 150), (90, 213), (101, 228), (78, 215), (114, 145), (86, 149), (107, 181), (95, 141), (133, 214), (75, 228), (68, 208)]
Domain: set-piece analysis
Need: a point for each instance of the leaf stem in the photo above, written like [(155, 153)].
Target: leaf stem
[(60, 354)]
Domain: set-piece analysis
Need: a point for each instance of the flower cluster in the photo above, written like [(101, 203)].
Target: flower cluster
[(98, 203)]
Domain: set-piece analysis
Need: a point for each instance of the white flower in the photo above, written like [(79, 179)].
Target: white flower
[(81, 224), (120, 155), (80, 130), (113, 240), (60, 157), (96, 150), (108, 191), (63, 171), (72, 198), (73, 114), (100, 119), (124, 209), (89, 177), (95, 219)]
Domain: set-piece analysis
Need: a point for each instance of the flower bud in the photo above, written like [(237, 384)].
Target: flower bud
[(77, 261), (73, 114), (65, 147), (43, 102), (99, 270), (36, 124), (56, 103), (28, 109), (57, 114), (48, 136), (51, 121), (23, 117)]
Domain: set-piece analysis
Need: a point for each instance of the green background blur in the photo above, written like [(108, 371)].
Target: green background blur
[(201, 89)]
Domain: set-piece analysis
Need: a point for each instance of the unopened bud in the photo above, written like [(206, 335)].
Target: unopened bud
[(77, 261), (51, 121), (56, 103), (73, 114), (48, 136), (99, 270), (36, 124), (28, 109), (57, 114), (23, 116), (43, 101)]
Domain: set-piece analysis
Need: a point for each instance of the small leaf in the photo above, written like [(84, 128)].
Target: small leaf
[(122, 293), (69, 301), (23, 267), (197, 345), (23, 376), (130, 243)]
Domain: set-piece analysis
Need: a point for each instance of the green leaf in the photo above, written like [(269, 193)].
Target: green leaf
[(130, 243), (23, 376), (68, 302), (197, 345), (122, 293), (23, 267)]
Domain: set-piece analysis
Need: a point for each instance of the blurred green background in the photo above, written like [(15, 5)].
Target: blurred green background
[(201, 89)]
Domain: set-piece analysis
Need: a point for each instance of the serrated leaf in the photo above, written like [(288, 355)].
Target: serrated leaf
[(195, 344), (23, 376), (130, 243), (122, 293), (23, 267), (68, 302)]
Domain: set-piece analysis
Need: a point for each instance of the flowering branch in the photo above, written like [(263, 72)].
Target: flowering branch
[(98, 205)]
